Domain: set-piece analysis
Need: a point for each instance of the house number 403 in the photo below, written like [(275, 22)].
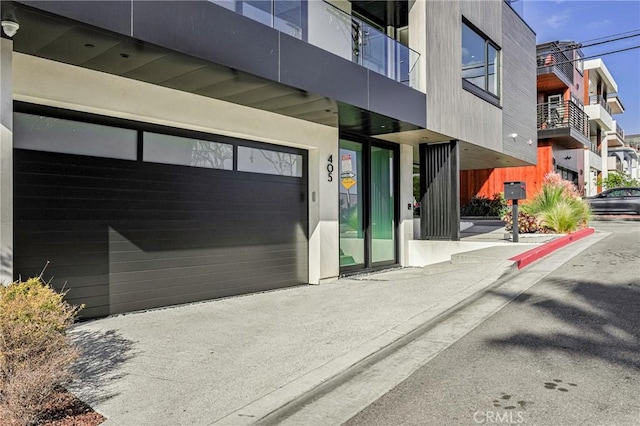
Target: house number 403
[(330, 168)]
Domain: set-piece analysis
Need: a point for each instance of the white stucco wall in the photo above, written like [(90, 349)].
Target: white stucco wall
[(6, 162), (406, 230)]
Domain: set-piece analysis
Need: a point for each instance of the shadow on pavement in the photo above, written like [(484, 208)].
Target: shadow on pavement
[(101, 355), (605, 316)]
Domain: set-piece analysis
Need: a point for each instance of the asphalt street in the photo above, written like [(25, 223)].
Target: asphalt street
[(557, 343), (565, 352)]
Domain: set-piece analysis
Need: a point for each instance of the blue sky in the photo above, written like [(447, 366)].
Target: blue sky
[(587, 20)]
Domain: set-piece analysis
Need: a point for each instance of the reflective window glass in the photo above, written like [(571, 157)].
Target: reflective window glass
[(492, 70), (352, 206), (480, 61), (167, 149), (287, 17), (473, 57), (50, 134), (257, 10), (228, 4), (269, 162)]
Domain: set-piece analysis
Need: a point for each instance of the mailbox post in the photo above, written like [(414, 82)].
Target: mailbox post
[(515, 191)]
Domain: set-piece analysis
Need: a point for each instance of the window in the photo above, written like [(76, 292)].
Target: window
[(567, 174), (480, 62), (579, 61), (167, 149), (269, 162), (40, 133)]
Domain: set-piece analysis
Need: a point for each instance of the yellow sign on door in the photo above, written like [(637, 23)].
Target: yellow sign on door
[(348, 182)]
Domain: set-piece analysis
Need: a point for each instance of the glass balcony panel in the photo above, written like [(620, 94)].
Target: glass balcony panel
[(287, 17), (374, 49), (228, 4), (331, 29), (402, 60), (258, 11)]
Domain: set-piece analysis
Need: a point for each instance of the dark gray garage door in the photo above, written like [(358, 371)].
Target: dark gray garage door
[(130, 234)]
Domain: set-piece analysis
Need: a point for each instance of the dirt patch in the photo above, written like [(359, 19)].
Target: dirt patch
[(67, 410)]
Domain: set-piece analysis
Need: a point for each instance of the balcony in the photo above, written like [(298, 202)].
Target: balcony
[(614, 163), (565, 123), (329, 28), (595, 157), (555, 68), (599, 111), (209, 49), (615, 139), (613, 100)]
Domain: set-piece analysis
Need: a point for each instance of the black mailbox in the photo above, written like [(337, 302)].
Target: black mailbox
[(515, 190)]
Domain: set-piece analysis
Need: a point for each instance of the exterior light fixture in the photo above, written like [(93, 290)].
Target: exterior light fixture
[(10, 28), (513, 136)]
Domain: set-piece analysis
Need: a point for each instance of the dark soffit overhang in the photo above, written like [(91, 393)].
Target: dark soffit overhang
[(50, 36)]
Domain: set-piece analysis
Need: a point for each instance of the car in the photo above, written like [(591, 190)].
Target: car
[(616, 201)]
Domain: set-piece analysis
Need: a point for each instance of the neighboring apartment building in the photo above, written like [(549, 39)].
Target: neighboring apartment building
[(601, 103), (623, 158), (164, 152), (576, 103)]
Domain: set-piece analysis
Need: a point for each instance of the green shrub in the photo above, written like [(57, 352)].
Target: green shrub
[(617, 179), (563, 217), (35, 351), (480, 205), (545, 200), (558, 207), (527, 224)]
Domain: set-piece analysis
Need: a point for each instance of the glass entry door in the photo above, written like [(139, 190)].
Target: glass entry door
[(352, 211), (383, 220), (368, 205)]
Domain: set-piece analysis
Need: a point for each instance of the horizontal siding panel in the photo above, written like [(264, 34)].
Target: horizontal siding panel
[(212, 272), (210, 261), (241, 253), (124, 235), (164, 284), (129, 304)]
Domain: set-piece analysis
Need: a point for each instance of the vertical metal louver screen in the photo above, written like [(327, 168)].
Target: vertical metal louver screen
[(440, 187)]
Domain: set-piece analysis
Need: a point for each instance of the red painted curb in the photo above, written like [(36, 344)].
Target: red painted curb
[(529, 256)]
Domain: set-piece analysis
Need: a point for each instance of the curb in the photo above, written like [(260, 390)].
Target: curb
[(529, 256), (272, 408), (613, 218)]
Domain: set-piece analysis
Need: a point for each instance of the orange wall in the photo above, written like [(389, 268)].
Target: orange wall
[(488, 182)]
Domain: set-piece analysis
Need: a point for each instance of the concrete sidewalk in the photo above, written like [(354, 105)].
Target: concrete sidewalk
[(236, 360)]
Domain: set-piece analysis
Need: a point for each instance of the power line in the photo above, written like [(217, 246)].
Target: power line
[(607, 41), (612, 35), (590, 57), (574, 46)]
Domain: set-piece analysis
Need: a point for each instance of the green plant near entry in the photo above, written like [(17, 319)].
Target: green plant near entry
[(480, 205), (35, 351), (617, 180), (564, 217), (527, 224), (558, 207)]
